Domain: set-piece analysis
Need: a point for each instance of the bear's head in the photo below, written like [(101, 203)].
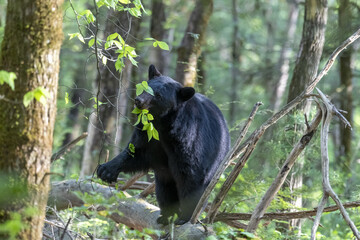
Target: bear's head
[(168, 94)]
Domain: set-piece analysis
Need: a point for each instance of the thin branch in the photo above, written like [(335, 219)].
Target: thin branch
[(67, 147), (150, 189), (132, 180), (328, 110), (283, 173), (224, 164), (223, 217)]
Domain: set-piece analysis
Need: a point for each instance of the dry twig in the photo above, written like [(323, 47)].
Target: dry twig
[(67, 147), (284, 216), (328, 109)]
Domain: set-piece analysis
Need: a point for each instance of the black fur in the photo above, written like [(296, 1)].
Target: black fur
[(194, 139)]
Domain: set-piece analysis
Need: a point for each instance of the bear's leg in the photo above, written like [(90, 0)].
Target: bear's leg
[(167, 198), (189, 197)]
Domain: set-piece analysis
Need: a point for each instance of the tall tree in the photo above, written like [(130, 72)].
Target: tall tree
[(306, 67), (346, 73), (236, 47), (284, 59), (30, 49), (190, 47), (113, 92)]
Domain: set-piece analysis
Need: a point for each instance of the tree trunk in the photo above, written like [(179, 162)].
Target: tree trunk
[(346, 101), (307, 63), (113, 92), (279, 90), (235, 73), (159, 57), (190, 48), (311, 46), (30, 49)]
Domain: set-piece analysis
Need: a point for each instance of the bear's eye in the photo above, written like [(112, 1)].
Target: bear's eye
[(157, 95)]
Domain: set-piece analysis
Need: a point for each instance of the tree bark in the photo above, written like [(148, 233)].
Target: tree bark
[(190, 48), (307, 63), (235, 72), (30, 49), (159, 57), (346, 98), (113, 92), (311, 46)]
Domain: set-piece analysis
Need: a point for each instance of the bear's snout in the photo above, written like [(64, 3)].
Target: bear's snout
[(142, 101), (138, 102)]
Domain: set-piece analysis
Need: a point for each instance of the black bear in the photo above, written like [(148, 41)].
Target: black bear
[(194, 139)]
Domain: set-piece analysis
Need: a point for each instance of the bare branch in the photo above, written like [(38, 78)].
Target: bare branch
[(328, 110), (281, 177), (67, 147), (224, 217), (150, 189), (132, 180)]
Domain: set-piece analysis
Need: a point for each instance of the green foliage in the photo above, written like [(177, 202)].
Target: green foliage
[(145, 117), (143, 86), (39, 93), (143, 114), (160, 44), (8, 78)]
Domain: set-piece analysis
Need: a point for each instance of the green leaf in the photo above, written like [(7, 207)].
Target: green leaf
[(163, 45), (150, 117), (112, 36), (138, 120), (156, 134), (88, 15), (136, 111), (41, 94), (81, 38), (66, 97), (144, 119), (155, 44), (150, 134), (91, 42), (118, 44), (104, 60), (150, 91), (139, 89), (145, 84), (125, 1), (131, 148), (132, 60), (150, 39), (8, 77), (145, 127), (108, 44), (28, 97), (119, 65)]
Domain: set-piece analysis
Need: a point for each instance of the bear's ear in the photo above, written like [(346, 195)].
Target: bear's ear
[(186, 93), (153, 72)]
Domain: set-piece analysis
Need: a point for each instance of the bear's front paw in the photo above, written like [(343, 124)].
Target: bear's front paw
[(180, 221), (163, 220), (107, 173)]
